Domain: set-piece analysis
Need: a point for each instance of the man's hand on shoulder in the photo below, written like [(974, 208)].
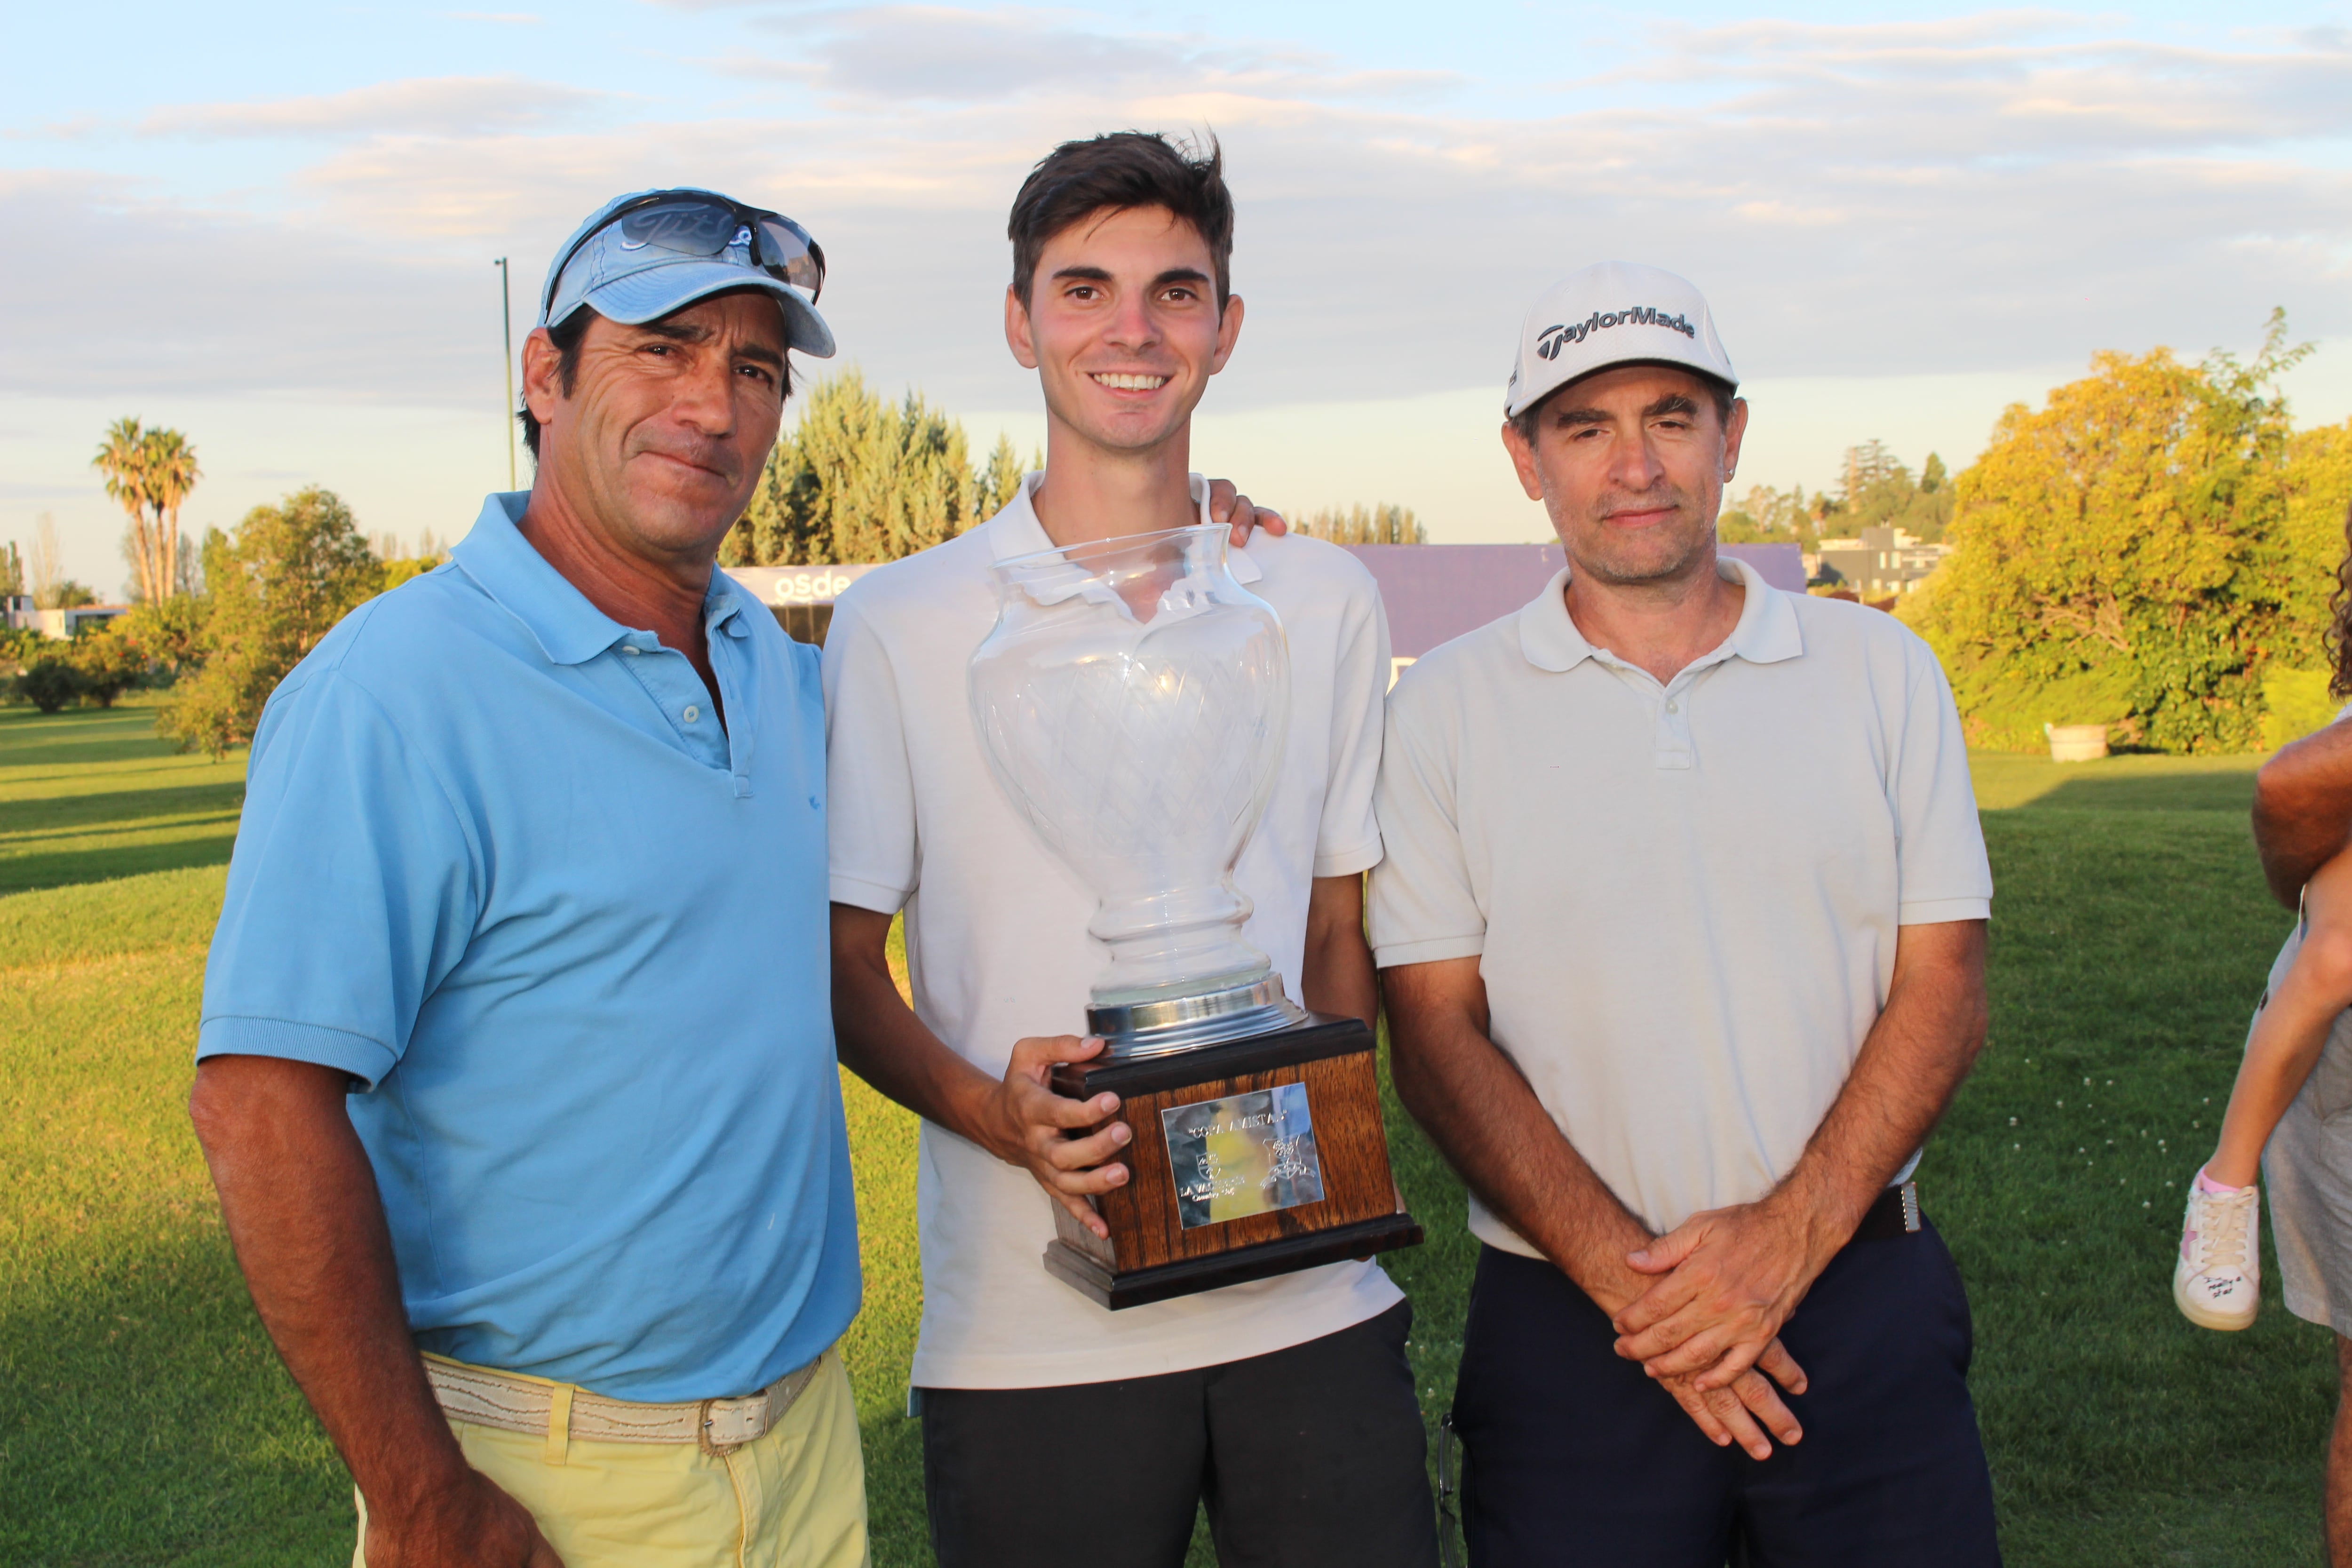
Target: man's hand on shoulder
[(1026, 1123), (469, 1524), (1727, 1279), (1230, 507)]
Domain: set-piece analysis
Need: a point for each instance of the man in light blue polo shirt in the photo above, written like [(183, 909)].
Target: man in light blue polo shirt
[(532, 868)]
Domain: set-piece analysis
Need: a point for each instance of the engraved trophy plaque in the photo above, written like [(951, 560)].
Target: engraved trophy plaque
[(1132, 700)]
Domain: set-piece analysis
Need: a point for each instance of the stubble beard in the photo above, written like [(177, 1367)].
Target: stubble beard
[(1628, 562)]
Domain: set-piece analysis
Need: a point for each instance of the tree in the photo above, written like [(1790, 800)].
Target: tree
[(2121, 556), (19, 646), (108, 662), (1767, 516), (171, 473), (1001, 480), (43, 572), (859, 479), (12, 571), (169, 633), (1876, 490), (148, 472), (124, 457), (2317, 535), (292, 571), (1382, 524)]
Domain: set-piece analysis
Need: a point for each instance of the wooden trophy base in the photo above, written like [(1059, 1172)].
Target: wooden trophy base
[(1338, 1197)]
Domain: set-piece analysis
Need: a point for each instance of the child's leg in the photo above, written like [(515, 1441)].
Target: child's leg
[(2288, 1037)]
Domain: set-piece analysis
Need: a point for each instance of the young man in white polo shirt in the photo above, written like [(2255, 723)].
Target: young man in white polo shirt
[(1055, 1432), (1682, 931)]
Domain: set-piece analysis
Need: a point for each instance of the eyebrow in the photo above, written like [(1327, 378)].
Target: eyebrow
[(684, 332), (1085, 274), (1672, 402)]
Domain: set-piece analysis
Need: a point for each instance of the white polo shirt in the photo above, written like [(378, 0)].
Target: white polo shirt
[(1684, 898), (997, 946)]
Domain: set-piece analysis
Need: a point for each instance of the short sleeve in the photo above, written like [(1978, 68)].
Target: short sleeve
[(870, 778), (1943, 873), (1347, 838), (353, 889), (1424, 906)]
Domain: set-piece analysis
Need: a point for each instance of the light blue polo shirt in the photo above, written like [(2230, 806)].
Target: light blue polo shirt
[(502, 864)]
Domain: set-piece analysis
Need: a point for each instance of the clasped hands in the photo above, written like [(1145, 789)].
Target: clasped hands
[(1708, 1325)]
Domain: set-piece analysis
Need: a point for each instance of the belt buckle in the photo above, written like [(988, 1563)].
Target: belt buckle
[(1910, 1194)]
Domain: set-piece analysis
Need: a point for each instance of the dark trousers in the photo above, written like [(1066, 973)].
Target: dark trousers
[(1573, 1456), (1309, 1455)]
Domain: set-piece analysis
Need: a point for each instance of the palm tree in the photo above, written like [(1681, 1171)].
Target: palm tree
[(122, 457), (171, 473)]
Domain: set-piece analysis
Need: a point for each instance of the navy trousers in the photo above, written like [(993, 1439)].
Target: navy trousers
[(1574, 1457)]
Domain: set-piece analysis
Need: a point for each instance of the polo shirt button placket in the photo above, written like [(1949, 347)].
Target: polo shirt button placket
[(1673, 749)]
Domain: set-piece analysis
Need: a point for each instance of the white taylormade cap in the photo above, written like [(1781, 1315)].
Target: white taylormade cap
[(1618, 312)]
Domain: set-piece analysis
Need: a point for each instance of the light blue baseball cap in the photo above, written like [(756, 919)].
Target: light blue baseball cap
[(640, 257)]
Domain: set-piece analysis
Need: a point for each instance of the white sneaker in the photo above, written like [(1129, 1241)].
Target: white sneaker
[(2216, 1284)]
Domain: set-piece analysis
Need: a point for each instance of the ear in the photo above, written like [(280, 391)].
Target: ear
[(1523, 458), (1017, 335), (1229, 329), (542, 389), (1733, 434)]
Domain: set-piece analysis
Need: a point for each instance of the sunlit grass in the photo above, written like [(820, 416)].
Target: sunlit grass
[(144, 1420)]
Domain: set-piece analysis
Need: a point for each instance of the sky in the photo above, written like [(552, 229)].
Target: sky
[(273, 226)]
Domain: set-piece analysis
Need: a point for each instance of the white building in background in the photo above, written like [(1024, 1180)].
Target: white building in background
[(1882, 562), (59, 624)]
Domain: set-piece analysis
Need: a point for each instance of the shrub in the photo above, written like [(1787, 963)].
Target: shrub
[(109, 663), (280, 586), (49, 682)]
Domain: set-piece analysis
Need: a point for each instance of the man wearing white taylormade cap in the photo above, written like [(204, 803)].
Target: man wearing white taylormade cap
[(1682, 931)]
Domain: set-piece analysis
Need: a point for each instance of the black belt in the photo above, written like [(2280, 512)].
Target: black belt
[(1896, 1213)]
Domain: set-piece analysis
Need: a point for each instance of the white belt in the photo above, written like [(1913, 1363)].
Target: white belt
[(486, 1398)]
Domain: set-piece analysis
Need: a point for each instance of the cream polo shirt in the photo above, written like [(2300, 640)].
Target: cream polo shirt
[(997, 946), (1684, 898)]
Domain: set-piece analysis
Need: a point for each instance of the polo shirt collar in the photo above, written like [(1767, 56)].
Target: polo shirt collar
[(1766, 631), (1015, 531), (568, 628)]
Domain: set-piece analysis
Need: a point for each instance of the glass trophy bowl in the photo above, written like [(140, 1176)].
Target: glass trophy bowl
[(1132, 700)]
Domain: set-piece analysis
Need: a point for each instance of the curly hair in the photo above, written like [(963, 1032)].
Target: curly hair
[(2339, 627)]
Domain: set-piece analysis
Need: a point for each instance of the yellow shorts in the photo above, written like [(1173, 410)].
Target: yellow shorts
[(795, 1498)]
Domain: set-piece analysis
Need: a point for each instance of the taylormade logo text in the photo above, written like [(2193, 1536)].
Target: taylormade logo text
[(1552, 339)]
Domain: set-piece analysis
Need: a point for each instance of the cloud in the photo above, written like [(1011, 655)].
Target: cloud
[(147, 297), (432, 106), (2007, 189), (894, 53)]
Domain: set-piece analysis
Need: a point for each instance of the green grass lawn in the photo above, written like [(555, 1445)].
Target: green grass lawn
[(144, 1420)]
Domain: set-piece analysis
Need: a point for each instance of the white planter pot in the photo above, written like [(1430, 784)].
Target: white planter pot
[(2076, 742)]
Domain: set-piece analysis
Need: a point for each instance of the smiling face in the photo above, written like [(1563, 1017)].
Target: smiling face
[(1122, 326), (1631, 464), (661, 436)]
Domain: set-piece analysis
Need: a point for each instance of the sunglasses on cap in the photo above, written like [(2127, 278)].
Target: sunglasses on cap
[(699, 223)]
